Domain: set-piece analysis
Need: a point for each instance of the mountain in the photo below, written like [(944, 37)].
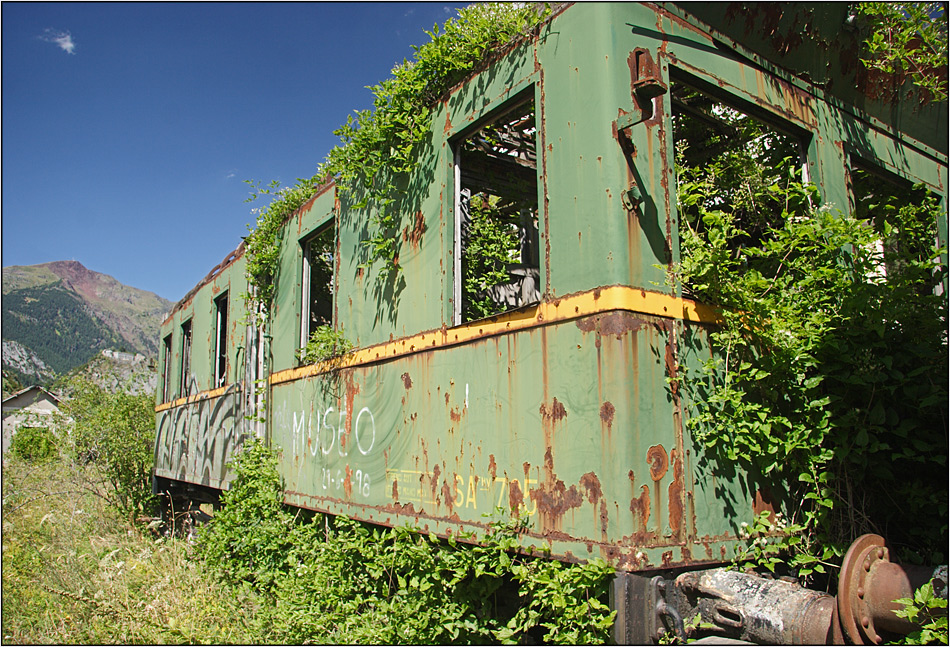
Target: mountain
[(57, 316)]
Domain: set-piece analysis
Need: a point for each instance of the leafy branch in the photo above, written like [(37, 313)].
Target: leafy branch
[(381, 147), (908, 39)]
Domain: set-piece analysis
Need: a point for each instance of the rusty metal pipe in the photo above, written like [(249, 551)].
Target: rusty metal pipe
[(761, 610)]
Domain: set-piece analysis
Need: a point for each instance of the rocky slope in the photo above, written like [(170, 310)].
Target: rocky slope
[(62, 314)]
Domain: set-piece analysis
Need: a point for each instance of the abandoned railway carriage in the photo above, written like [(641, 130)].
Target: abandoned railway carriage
[(547, 392)]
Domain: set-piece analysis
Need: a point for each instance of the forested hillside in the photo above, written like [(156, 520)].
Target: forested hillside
[(61, 314)]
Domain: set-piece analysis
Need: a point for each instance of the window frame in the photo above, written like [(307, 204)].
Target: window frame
[(886, 173), (305, 309), (529, 91), (220, 368), (167, 368), (185, 364)]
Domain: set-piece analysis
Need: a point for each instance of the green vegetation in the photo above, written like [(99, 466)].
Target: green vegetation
[(34, 444), (11, 382), (907, 39), (927, 611), (380, 147), (828, 377), (324, 344), (492, 244), (334, 580), (115, 431), (76, 572), (263, 241)]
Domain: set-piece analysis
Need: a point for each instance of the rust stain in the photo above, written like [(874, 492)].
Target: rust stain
[(676, 493), (556, 413), (640, 507), (414, 234), (591, 483), (405, 508), (552, 496), (515, 495), (764, 502), (434, 481), (348, 482), (607, 414), (455, 415), (406, 380), (448, 496), (604, 519), (667, 559), (612, 323), (659, 462), (686, 555), (492, 468), (395, 490)]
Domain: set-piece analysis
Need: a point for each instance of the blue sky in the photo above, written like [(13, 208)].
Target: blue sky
[(128, 128)]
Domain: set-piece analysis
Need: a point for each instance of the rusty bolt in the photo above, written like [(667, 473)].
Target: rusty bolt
[(861, 592), (867, 563), (880, 553), (865, 622)]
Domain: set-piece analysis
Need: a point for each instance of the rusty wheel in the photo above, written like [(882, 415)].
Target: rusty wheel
[(856, 618)]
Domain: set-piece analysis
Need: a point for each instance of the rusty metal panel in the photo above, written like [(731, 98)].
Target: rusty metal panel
[(284, 324), (198, 431), (569, 424), (566, 411)]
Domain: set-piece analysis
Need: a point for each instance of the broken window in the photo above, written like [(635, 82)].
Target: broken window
[(729, 161), (167, 369), (497, 264), (903, 215), (317, 282), (221, 345), (185, 357)]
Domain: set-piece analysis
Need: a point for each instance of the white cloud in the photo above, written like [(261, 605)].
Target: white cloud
[(62, 39)]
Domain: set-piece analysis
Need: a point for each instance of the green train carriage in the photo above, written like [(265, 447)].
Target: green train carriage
[(548, 393)]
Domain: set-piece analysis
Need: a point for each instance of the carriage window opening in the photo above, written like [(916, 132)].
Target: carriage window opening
[(221, 337), (185, 357), (317, 282), (903, 216), (730, 161), (167, 369), (496, 256)]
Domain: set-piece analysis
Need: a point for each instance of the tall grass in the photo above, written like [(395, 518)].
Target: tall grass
[(75, 570)]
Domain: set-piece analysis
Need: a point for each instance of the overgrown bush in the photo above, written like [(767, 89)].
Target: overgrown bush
[(116, 432), (35, 444), (324, 344), (828, 377), (335, 580)]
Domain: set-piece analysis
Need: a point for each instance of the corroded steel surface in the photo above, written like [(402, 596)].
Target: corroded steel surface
[(568, 411)]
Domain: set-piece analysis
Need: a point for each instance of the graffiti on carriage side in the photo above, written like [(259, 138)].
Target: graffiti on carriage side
[(326, 430), (195, 441), (337, 444)]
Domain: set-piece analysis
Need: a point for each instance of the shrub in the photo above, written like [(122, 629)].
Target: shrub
[(336, 580), (34, 444), (116, 432)]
